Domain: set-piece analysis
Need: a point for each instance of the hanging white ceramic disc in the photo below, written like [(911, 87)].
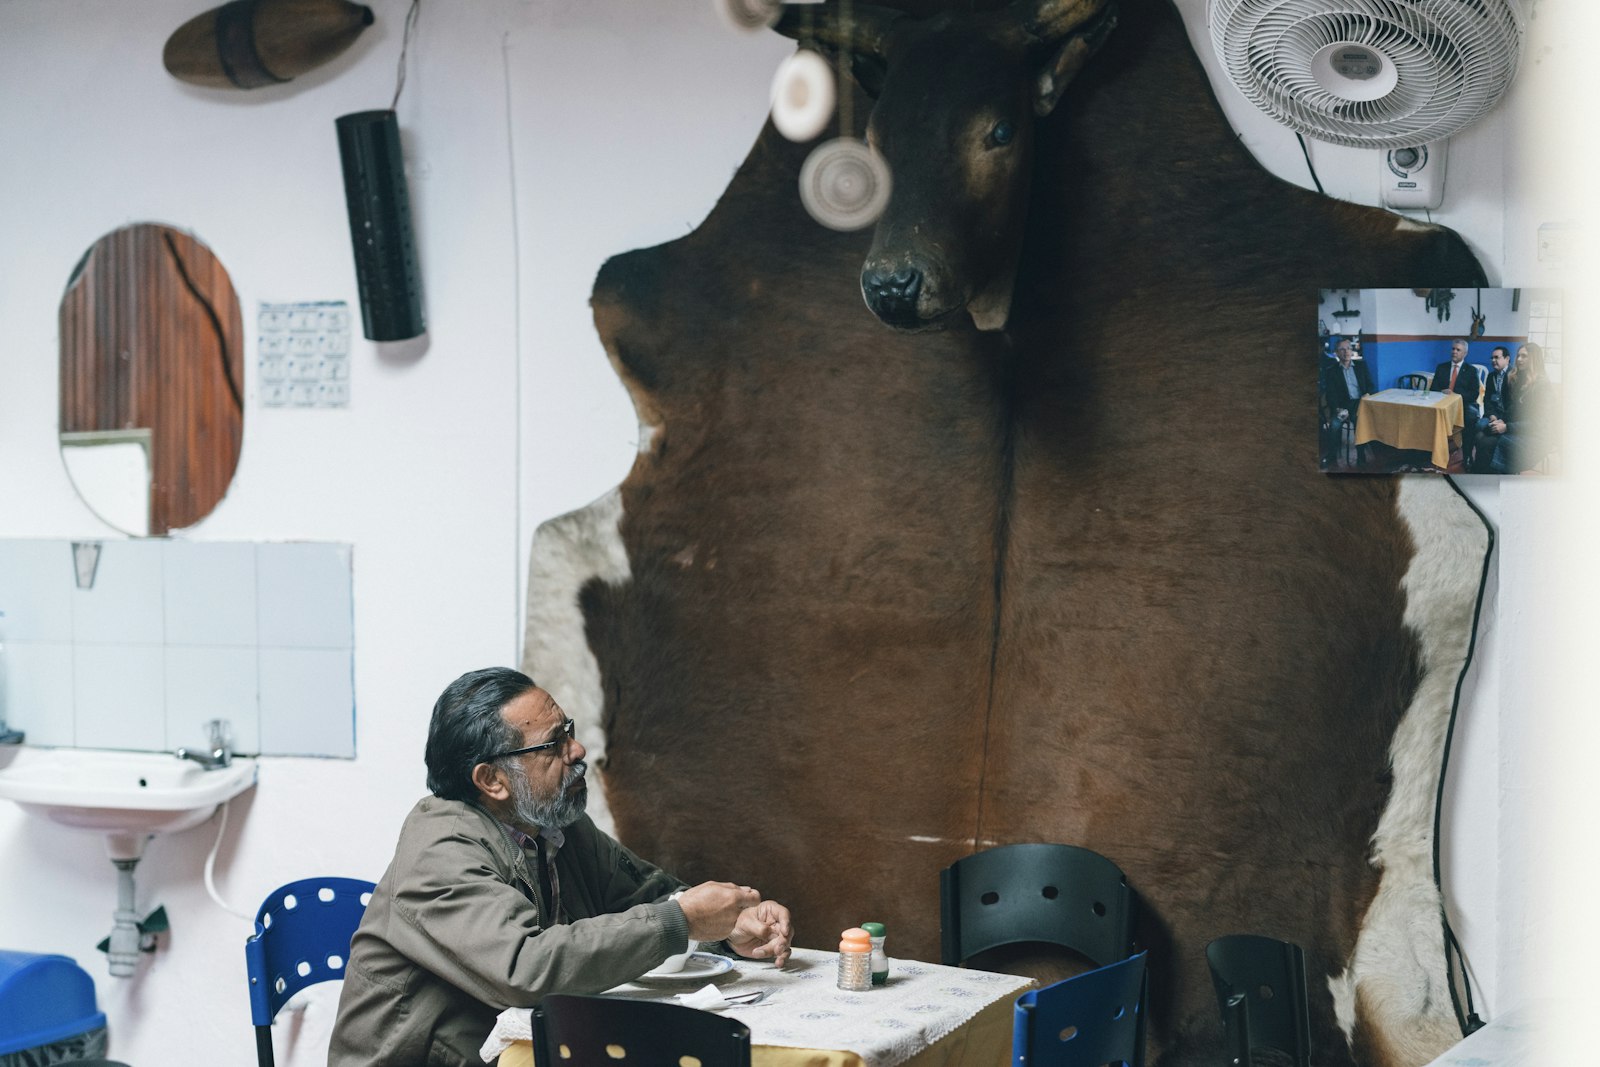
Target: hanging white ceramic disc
[(802, 95), (844, 184), (750, 14)]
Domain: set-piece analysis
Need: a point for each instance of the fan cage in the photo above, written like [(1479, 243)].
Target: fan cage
[(1454, 60)]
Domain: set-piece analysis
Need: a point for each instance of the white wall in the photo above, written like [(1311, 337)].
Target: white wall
[(1400, 311), (543, 135), (419, 474)]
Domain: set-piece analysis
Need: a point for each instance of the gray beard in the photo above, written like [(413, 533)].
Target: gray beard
[(563, 809)]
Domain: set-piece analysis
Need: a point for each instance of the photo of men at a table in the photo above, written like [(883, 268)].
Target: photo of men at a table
[(1439, 381)]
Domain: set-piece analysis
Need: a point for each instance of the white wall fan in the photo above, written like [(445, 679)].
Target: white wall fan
[(1397, 75)]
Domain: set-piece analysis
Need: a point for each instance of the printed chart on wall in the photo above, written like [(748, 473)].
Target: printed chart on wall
[(304, 354), (1439, 381)]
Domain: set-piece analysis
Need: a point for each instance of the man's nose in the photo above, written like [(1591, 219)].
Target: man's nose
[(575, 750)]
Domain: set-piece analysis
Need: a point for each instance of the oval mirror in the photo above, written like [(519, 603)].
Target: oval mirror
[(152, 379)]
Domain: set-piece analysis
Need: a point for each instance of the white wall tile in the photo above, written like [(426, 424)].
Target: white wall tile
[(124, 606), (37, 679), (36, 590), (307, 702), (209, 593), (212, 683), (118, 696), (303, 592)]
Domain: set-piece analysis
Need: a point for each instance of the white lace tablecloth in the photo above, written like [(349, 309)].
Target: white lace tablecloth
[(804, 1008)]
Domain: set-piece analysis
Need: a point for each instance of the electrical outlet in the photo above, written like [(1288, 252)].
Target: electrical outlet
[(1414, 177)]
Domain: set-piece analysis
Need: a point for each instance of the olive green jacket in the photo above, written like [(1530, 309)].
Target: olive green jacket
[(458, 930)]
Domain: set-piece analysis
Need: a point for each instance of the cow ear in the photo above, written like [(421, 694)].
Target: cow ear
[(869, 72), (1068, 60)]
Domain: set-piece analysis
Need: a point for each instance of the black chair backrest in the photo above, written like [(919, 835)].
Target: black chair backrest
[(1271, 976), (1057, 894), (579, 1031)]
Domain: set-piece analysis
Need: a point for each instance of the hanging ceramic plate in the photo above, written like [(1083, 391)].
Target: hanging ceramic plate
[(802, 95), (750, 14), (844, 184)]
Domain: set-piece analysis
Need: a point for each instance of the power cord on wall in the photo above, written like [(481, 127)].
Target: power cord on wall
[(405, 46), (1305, 151), (211, 863), (1467, 1017)]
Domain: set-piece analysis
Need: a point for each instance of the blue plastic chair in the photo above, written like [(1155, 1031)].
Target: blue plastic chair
[(302, 937), (1087, 1020)]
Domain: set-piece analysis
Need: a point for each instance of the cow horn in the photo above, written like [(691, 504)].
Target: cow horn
[(864, 33), (1051, 20)]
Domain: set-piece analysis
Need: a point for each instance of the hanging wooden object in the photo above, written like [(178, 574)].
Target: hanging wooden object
[(250, 43)]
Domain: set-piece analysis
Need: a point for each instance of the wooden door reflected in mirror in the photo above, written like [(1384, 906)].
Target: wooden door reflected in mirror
[(152, 379)]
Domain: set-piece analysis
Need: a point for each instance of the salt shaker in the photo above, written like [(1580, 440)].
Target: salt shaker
[(880, 961), (855, 960)]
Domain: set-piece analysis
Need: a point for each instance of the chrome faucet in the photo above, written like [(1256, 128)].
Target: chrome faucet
[(220, 734)]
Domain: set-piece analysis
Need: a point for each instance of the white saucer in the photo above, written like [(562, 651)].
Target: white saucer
[(698, 967)]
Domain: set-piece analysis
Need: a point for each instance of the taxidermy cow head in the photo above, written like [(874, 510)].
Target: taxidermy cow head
[(957, 94)]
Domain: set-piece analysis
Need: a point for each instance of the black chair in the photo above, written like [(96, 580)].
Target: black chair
[(1413, 381), (1058, 894), (577, 1031), (1089, 1020), (302, 937), (1261, 989)]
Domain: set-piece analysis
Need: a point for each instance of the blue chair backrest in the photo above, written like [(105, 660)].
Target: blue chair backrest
[(1088, 1020), (302, 937)]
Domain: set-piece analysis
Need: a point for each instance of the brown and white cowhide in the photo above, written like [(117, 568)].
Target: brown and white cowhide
[(871, 600)]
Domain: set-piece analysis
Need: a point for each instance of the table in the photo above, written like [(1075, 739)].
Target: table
[(927, 1016), (1508, 1041), (1402, 419)]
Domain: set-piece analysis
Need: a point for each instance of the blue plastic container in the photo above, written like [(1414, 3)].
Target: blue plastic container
[(44, 1000)]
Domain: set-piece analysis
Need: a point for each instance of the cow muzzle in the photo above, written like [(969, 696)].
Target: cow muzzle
[(892, 294)]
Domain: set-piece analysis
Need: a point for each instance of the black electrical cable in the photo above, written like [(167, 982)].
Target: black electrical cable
[(1468, 1021), (1304, 151)]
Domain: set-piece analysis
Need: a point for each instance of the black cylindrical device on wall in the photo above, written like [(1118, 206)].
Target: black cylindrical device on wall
[(387, 276)]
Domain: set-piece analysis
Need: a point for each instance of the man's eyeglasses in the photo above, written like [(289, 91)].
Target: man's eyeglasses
[(568, 729)]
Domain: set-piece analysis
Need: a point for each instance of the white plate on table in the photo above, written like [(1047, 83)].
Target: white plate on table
[(698, 967)]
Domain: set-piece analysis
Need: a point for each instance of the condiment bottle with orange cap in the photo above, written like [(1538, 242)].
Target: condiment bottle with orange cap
[(855, 960)]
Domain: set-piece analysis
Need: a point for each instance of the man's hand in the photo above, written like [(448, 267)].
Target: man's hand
[(713, 908), (1344, 413), (763, 932)]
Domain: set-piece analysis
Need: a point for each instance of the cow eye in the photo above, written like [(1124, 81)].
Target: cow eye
[(1002, 133)]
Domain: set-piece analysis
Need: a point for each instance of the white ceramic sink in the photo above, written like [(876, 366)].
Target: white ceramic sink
[(128, 795)]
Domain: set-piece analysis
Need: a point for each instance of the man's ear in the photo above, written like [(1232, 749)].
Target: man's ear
[(490, 782)]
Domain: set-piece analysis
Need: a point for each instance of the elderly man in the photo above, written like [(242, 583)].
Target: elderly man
[(501, 890), (1456, 375), (1344, 382)]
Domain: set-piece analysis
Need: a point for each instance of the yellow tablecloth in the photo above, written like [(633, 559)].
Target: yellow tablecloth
[(922, 999), (1401, 419)]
